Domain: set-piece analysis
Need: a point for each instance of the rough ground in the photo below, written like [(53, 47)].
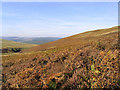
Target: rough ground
[(86, 60)]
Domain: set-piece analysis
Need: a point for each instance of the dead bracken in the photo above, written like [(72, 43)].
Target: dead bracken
[(79, 61)]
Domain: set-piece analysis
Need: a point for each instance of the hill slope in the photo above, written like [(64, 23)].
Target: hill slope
[(13, 44), (86, 60), (81, 39), (32, 40)]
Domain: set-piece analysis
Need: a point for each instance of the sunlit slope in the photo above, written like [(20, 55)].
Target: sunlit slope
[(31, 40), (13, 44), (81, 39)]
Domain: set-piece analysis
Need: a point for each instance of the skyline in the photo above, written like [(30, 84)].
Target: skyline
[(56, 19)]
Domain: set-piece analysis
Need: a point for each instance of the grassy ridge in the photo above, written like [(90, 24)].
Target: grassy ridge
[(32, 40), (13, 44)]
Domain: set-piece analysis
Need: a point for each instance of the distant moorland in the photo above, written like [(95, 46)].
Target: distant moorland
[(12, 46), (32, 40)]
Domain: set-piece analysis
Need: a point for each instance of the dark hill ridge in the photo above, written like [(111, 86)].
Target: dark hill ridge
[(86, 60)]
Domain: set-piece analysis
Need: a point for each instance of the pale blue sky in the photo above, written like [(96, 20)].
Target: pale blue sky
[(56, 19)]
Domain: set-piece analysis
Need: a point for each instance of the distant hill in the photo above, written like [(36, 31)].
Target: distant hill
[(32, 40), (13, 44)]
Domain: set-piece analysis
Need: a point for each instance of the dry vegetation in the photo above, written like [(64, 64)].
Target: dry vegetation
[(13, 44), (86, 60), (10, 47)]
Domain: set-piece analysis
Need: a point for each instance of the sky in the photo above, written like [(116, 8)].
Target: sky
[(60, 0), (56, 19)]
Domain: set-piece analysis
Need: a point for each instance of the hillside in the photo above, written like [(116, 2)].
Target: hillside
[(13, 44), (85, 60), (32, 40), (82, 39), (7, 44)]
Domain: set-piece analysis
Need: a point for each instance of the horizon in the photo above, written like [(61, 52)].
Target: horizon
[(56, 19), (51, 36)]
